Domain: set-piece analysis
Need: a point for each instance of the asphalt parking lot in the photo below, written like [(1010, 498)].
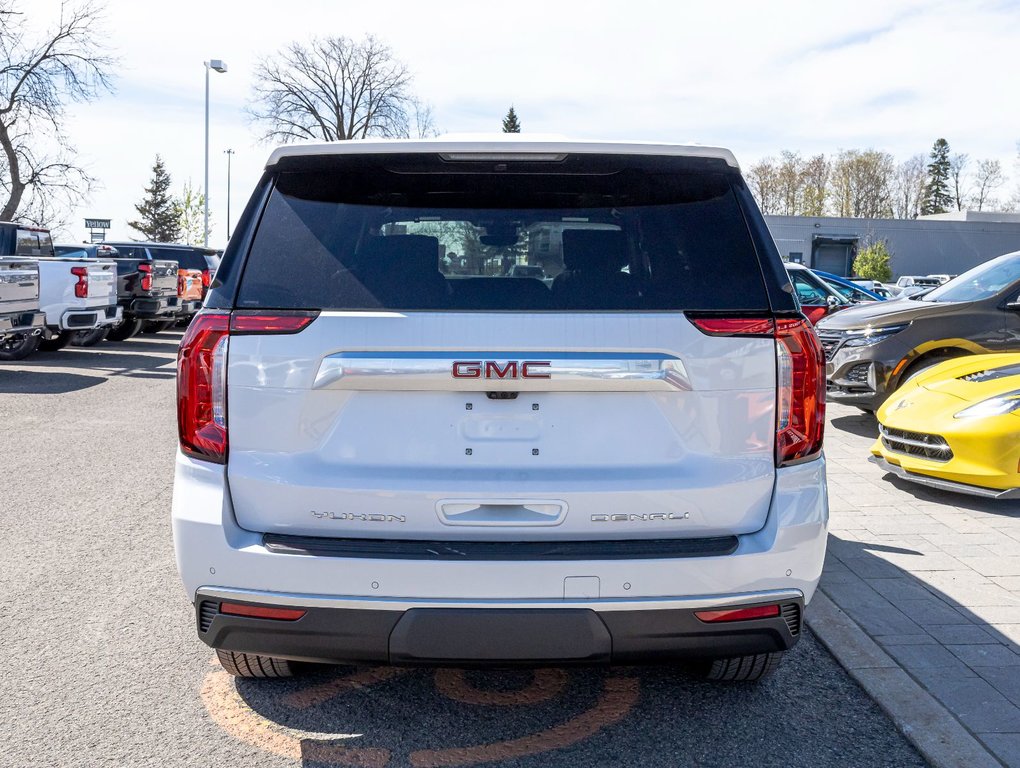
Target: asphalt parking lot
[(103, 666)]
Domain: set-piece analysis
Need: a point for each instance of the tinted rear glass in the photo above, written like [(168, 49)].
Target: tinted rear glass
[(632, 239)]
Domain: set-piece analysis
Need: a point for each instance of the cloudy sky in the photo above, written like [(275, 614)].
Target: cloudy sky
[(756, 77)]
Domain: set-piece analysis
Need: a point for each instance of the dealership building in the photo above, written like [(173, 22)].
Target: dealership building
[(945, 243)]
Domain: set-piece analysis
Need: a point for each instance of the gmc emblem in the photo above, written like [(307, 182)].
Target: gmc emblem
[(490, 369)]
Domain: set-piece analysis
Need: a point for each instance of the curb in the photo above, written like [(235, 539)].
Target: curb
[(929, 726)]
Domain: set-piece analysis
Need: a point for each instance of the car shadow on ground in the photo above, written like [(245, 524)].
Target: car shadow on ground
[(960, 500), (45, 383), (860, 424), (920, 619), (563, 716), (106, 363)]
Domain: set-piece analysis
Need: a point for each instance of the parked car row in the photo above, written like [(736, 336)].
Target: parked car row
[(941, 370), (52, 296)]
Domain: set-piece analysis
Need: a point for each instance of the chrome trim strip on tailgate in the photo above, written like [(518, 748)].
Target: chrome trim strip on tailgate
[(404, 604), (513, 371)]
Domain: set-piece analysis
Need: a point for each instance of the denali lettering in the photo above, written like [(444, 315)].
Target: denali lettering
[(361, 518), (646, 518), (491, 369)]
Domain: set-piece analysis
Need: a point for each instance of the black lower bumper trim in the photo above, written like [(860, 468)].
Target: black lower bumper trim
[(471, 636), (411, 549)]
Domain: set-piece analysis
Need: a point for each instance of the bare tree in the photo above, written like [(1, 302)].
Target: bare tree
[(908, 187), (763, 179), (334, 89), (957, 179), (39, 75), (815, 194), (989, 178), (861, 183), (790, 179)]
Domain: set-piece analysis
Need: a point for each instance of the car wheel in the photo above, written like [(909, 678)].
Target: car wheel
[(18, 347), (89, 338), (59, 341), (125, 330), (744, 669), (157, 326), (253, 665)]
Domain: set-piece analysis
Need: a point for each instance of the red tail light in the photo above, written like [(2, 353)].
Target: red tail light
[(182, 285), (800, 379), (206, 278), (202, 387), (146, 272), (81, 288), (800, 373), (202, 375), (739, 614)]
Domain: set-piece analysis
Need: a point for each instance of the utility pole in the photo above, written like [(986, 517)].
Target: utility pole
[(229, 153)]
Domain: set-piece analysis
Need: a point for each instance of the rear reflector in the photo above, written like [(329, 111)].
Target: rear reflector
[(262, 611), (738, 614)]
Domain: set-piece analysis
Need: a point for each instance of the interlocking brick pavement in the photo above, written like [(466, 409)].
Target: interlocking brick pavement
[(933, 577)]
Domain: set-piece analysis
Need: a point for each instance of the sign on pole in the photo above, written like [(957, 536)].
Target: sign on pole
[(97, 229)]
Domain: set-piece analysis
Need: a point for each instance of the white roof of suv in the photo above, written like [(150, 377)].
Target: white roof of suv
[(500, 145)]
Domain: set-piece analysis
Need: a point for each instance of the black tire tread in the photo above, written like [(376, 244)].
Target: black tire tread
[(744, 669), (252, 665)]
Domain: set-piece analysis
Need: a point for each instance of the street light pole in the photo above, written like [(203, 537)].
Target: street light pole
[(220, 67), (228, 153)]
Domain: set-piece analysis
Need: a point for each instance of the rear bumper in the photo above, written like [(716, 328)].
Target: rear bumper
[(25, 322), (189, 307), (473, 632), (152, 308), (87, 319), (216, 557)]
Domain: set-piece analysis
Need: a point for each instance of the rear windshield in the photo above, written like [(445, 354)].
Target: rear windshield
[(633, 240)]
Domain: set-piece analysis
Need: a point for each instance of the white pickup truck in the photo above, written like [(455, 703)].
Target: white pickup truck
[(76, 294), (21, 322)]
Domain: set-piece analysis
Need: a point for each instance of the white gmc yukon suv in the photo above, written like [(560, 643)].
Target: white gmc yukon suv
[(394, 449)]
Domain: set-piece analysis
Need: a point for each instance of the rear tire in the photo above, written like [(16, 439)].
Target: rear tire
[(158, 326), (125, 330), (744, 669), (254, 665), (89, 338), (18, 348), (58, 342)]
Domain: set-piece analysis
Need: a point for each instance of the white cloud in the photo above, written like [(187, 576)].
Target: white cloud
[(757, 77)]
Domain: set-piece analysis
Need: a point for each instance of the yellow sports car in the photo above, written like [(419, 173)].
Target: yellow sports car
[(956, 426)]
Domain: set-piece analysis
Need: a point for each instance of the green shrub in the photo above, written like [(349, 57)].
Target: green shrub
[(872, 263)]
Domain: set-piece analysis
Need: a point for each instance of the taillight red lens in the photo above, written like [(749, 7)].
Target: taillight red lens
[(202, 387), (182, 285), (146, 273), (81, 288), (800, 373), (734, 326), (739, 614), (279, 323), (206, 278), (262, 611)]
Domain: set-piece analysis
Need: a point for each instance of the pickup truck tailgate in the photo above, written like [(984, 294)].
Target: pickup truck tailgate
[(19, 285)]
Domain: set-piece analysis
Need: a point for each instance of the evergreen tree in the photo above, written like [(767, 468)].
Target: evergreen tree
[(159, 216), (510, 122), (937, 198)]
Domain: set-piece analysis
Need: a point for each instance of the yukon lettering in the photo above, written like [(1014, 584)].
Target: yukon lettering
[(361, 518)]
